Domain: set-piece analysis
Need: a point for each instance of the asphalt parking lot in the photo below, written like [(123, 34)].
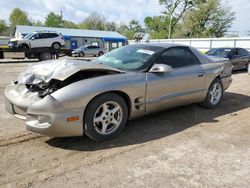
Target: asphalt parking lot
[(187, 146)]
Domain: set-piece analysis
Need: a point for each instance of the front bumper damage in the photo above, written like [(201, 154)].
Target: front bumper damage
[(44, 116)]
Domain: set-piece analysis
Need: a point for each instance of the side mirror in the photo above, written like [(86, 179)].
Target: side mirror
[(161, 68), (32, 38)]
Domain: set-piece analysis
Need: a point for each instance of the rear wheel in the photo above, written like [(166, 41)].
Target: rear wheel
[(45, 56), (214, 94), (56, 46), (248, 67), (105, 117)]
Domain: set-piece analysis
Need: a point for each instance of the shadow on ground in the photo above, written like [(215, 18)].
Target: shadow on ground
[(158, 125)]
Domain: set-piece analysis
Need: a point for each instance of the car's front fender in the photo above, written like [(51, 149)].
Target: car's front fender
[(79, 94)]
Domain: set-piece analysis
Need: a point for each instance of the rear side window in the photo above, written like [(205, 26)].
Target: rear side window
[(48, 35), (52, 35), (43, 35), (242, 51), (177, 57), (93, 47)]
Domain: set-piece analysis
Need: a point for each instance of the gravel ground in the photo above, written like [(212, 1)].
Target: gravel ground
[(182, 147)]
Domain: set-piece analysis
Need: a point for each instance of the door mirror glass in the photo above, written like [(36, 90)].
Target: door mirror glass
[(161, 68)]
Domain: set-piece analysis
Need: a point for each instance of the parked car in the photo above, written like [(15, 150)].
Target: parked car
[(239, 57), (70, 97), (38, 39), (88, 50)]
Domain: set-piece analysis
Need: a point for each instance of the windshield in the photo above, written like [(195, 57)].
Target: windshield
[(28, 36), (132, 57), (223, 52)]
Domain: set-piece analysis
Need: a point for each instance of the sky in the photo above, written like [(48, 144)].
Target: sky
[(113, 10)]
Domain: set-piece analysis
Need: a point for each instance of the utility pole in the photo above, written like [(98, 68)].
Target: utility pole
[(61, 15)]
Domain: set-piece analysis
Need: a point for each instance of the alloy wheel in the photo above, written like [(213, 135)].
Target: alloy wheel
[(107, 118)]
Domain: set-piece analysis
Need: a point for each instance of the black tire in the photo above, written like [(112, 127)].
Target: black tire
[(45, 56), (100, 53), (81, 54), (207, 102), (248, 67), (93, 129), (24, 46), (56, 46)]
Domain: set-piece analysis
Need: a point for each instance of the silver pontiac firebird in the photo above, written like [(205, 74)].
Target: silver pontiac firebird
[(71, 97)]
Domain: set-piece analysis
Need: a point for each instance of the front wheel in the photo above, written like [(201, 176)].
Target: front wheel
[(100, 53), (24, 46), (214, 94), (81, 54), (105, 117)]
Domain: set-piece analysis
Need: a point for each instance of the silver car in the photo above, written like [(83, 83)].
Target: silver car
[(88, 50), (71, 97)]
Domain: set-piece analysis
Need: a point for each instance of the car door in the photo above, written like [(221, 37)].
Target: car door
[(92, 50), (96, 50), (185, 84), (235, 58), (88, 50), (35, 40), (244, 57)]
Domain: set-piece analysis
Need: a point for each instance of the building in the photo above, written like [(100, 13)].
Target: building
[(75, 38)]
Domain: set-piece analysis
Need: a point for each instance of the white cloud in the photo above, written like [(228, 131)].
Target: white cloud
[(113, 10), (119, 11)]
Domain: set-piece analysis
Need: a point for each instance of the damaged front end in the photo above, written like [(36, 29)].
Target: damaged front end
[(44, 78)]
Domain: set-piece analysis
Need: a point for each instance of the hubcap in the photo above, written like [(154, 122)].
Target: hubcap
[(107, 118), (47, 56), (215, 93), (56, 46)]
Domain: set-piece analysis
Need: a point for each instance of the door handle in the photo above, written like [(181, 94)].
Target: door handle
[(201, 74)]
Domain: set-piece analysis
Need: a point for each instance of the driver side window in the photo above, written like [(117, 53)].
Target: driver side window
[(37, 36), (177, 57)]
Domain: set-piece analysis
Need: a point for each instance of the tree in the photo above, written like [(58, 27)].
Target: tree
[(53, 20), (2, 26), (131, 29), (37, 23), (110, 26), (19, 17), (69, 24), (157, 26), (209, 19), (175, 9), (94, 21)]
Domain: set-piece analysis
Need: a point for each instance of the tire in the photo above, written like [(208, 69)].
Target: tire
[(45, 56), (100, 53), (56, 46), (248, 67), (100, 122), (81, 54), (214, 94), (24, 46)]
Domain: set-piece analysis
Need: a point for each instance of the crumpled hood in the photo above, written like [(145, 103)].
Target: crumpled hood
[(16, 39), (59, 70)]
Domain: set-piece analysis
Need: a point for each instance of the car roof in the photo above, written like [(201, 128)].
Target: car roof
[(45, 32), (163, 45), (229, 48)]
